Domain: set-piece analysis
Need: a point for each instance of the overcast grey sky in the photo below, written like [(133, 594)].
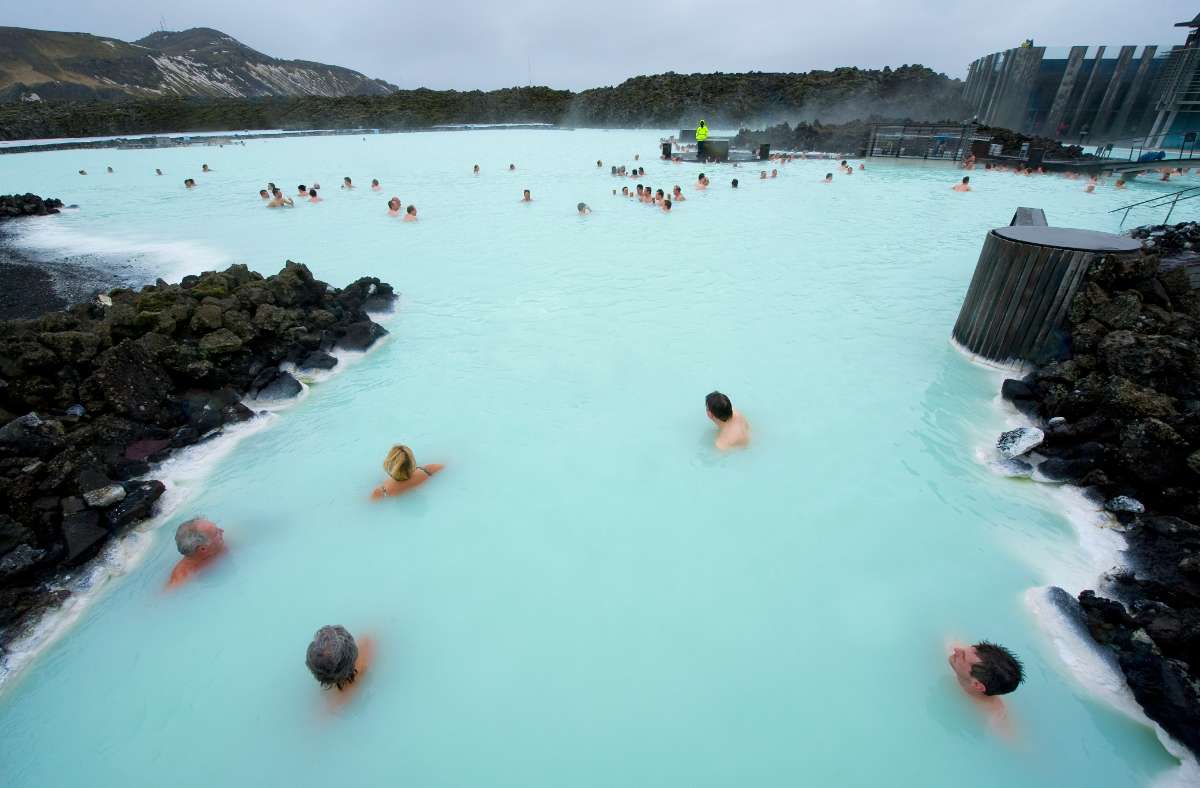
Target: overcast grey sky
[(473, 44)]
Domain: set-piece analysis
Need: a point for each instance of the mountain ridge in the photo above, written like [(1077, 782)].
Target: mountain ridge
[(48, 65)]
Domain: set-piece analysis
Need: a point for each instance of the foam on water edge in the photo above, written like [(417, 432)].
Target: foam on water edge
[(1101, 547), (183, 473), (172, 260)]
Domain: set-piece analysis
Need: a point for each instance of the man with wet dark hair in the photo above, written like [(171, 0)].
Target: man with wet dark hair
[(734, 183), (526, 196), (986, 669), (964, 185), (732, 428)]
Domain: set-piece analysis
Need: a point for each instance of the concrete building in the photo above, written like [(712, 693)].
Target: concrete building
[(1093, 93)]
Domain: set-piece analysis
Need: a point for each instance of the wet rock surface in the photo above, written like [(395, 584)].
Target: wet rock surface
[(90, 397), (1121, 417)]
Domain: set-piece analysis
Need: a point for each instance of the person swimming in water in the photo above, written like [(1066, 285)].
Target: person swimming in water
[(624, 191), (337, 661), (701, 181), (157, 171), (526, 196), (659, 196), (279, 201), (313, 196), (375, 187), (403, 473), (677, 194), (599, 164), (734, 183), (985, 671), (200, 542), (964, 185), (83, 172), (666, 206), (774, 173), (301, 191), (1120, 184), (476, 170), (262, 193), (410, 213), (583, 208), (189, 183), (110, 169), (732, 428), (204, 168), (1090, 188), (347, 183), (828, 178), (762, 175), (512, 167), (394, 206)]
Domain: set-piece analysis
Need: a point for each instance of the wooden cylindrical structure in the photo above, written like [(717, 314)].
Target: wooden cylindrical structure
[(1016, 307)]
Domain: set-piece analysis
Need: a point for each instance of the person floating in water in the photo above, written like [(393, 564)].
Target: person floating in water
[(394, 206), (828, 178), (189, 183), (526, 196), (337, 661), (403, 473), (200, 542), (279, 201), (583, 208), (375, 187), (204, 168), (347, 183), (732, 428), (986, 671), (410, 213), (262, 193), (313, 197), (964, 185)]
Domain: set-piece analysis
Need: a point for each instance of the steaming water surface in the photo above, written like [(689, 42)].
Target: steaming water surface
[(589, 595)]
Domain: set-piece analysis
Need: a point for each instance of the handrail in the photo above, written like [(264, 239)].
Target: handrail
[(1173, 197), (1153, 199)]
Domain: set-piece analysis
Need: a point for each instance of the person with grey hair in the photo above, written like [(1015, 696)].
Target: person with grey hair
[(335, 659), (200, 541)]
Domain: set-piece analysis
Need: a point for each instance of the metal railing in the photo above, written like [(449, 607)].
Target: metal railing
[(1138, 145), (1172, 199)]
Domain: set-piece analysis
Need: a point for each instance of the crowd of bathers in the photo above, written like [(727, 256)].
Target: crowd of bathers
[(337, 660)]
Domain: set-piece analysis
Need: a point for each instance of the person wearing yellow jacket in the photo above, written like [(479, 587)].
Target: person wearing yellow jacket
[(701, 132)]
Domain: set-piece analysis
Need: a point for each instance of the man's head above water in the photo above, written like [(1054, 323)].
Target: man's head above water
[(986, 669), (331, 657), (718, 406), (199, 538)]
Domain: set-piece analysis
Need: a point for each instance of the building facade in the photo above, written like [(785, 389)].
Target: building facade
[(1091, 93)]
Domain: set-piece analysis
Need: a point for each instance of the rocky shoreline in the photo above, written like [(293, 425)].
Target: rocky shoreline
[(1119, 415), (91, 396)]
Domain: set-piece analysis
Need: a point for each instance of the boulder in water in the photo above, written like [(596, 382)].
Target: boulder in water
[(1020, 441)]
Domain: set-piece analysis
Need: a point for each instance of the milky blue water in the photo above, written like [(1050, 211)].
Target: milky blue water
[(589, 595)]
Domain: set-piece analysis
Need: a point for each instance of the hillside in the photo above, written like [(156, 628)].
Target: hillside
[(661, 101), (202, 62)]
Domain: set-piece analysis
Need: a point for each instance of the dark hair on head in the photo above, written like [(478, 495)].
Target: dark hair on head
[(735, 183), (411, 209), (998, 669), (658, 191), (331, 657), (701, 175), (667, 203), (829, 175), (302, 187), (966, 179), (719, 406), (346, 178)]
